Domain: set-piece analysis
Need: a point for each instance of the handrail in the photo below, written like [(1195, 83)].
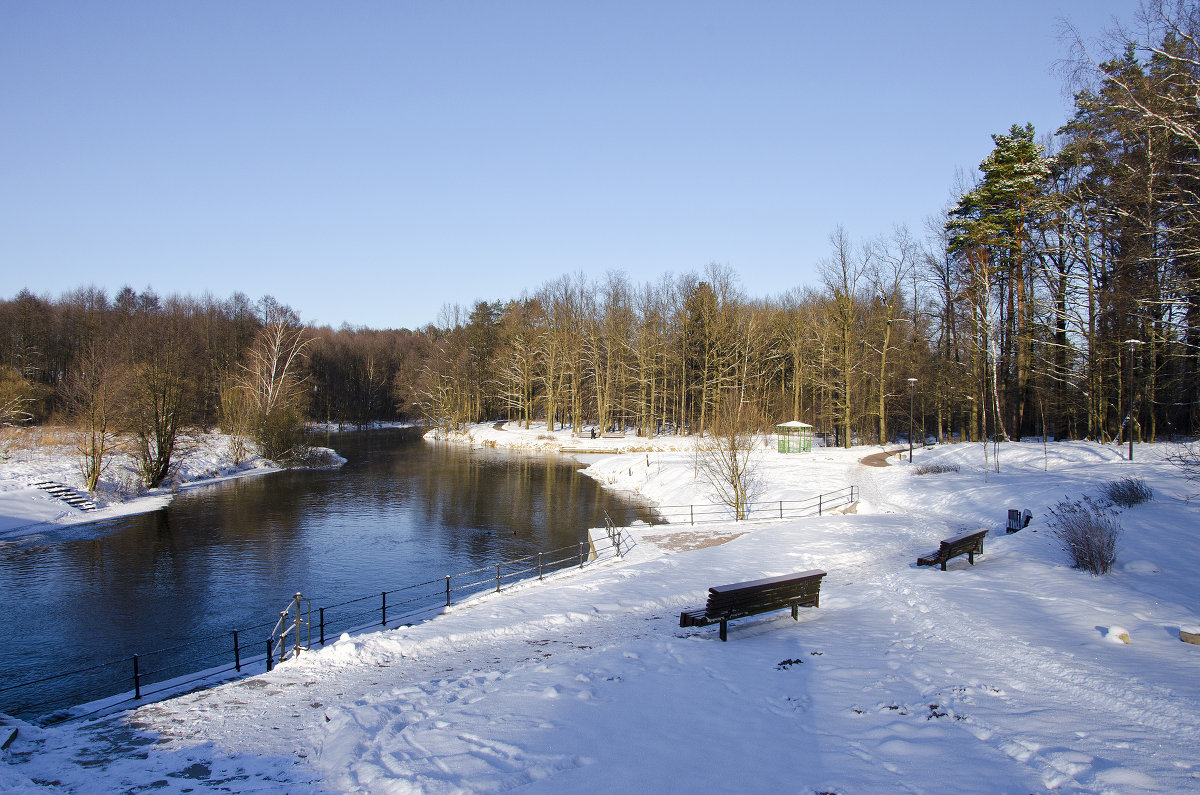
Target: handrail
[(300, 626)]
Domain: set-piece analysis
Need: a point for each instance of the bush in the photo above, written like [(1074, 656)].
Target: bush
[(935, 469), (1127, 492), (1090, 531)]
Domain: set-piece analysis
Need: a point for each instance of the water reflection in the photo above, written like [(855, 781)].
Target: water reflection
[(228, 556)]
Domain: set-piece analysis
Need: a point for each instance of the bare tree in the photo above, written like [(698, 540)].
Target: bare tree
[(841, 276), (158, 389), (272, 384), (728, 458)]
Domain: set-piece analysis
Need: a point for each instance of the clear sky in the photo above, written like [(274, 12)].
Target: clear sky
[(369, 162)]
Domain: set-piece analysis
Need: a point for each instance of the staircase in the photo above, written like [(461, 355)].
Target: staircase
[(67, 494)]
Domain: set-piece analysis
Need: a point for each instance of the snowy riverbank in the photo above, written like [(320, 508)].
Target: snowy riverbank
[(1001, 677), (41, 455)]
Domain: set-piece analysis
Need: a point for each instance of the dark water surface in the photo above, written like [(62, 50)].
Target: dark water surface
[(229, 556)]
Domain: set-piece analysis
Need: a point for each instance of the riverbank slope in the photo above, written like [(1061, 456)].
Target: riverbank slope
[(49, 455)]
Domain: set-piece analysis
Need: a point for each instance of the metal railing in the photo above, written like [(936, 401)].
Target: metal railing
[(764, 509), (172, 670), (295, 619)]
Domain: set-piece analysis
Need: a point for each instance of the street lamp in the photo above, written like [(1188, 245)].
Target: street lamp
[(1131, 344), (912, 383)]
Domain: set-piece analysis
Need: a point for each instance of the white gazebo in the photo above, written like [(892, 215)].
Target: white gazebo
[(794, 437)]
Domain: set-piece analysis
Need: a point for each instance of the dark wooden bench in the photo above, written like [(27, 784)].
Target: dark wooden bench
[(969, 544), (741, 599)]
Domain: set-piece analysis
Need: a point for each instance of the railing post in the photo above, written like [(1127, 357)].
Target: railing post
[(692, 513), (383, 610), (781, 509), (447, 590), (137, 679), (581, 554), (497, 578), (618, 540), (539, 565), (321, 610), (283, 633), (270, 654), (819, 504), (296, 601), (237, 655)]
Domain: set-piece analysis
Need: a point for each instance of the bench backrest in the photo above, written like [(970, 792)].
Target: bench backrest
[(959, 544), (755, 595)]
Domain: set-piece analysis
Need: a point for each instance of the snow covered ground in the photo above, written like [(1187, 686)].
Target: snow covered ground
[(1008, 676), (50, 455)]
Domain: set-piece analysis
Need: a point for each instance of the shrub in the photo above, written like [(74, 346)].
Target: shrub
[(935, 469), (1090, 531), (1187, 458), (1127, 492)]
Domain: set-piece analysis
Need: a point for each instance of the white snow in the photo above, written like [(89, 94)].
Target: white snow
[(994, 678), (201, 460)]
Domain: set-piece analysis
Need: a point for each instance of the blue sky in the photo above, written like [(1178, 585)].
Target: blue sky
[(369, 162)]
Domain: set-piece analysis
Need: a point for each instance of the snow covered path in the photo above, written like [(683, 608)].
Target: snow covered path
[(992, 678)]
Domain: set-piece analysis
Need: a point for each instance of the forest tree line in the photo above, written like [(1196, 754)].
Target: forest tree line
[(1059, 295)]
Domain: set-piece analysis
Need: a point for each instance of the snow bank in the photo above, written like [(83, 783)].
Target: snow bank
[(202, 459), (512, 435), (997, 677)]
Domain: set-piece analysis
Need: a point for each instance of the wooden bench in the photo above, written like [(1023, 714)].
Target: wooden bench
[(741, 599), (969, 544), (1018, 520)]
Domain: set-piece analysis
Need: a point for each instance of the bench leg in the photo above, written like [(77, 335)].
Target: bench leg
[(723, 625), (795, 612), (943, 565), (971, 558)]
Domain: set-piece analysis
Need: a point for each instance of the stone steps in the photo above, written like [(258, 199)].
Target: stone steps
[(67, 494)]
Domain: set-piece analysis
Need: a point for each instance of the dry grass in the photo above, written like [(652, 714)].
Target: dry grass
[(27, 442), (38, 437)]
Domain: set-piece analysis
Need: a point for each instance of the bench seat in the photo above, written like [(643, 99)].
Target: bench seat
[(741, 599)]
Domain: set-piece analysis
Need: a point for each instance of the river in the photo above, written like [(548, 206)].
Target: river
[(228, 556)]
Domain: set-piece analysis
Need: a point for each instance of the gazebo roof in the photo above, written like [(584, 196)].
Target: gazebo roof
[(793, 424)]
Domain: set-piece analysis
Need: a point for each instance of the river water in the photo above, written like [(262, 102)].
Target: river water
[(229, 556)]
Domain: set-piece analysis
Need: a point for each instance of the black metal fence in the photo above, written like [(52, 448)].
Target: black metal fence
[(147, 676), (171, 670), (773, 509)]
